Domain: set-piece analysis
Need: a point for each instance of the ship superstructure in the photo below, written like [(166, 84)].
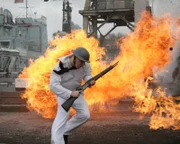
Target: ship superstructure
[(20, 40)]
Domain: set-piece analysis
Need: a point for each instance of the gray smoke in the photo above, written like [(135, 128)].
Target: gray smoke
[(159, 8)]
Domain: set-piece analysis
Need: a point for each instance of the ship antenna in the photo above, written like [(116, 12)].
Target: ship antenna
[(26, 8)]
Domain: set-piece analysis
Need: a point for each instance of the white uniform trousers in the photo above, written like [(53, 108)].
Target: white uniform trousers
[(62, 126)]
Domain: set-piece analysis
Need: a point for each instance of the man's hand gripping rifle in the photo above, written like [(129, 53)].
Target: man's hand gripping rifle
[(68, 103)]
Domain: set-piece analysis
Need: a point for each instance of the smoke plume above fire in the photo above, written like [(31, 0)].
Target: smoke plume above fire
[(141, 51)]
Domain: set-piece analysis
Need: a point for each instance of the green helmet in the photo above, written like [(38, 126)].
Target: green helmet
[(82, 54)]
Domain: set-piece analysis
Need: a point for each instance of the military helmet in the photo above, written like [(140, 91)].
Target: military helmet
[(82, 54)]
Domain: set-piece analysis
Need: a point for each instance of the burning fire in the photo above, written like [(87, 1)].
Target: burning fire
[(140, 51)]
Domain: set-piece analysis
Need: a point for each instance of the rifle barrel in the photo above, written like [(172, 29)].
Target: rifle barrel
[(105, 71)]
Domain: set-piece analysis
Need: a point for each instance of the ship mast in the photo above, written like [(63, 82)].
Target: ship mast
[(26, 8), (67, 9)]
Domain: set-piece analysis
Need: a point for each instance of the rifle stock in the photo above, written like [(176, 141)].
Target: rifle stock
[(68, 103)]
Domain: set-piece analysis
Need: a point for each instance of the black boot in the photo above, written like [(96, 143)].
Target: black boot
[(66, 139)]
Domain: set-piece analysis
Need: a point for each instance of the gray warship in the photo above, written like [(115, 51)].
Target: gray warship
[(20, 40)]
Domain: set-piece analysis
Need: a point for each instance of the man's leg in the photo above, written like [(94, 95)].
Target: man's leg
[(82, 115), (59, 123), (66, 139)]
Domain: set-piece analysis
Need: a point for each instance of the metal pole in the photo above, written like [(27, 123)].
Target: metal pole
[(26, 8)]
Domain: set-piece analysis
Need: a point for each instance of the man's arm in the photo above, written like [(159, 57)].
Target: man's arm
[(88, 72), (57, 88)]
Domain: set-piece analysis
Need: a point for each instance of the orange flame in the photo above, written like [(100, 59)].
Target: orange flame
[(140, 51)]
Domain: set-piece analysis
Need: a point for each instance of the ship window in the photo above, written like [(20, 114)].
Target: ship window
[(5, 44)]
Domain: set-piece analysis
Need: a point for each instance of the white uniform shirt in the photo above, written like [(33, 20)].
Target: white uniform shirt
[(63, 85)]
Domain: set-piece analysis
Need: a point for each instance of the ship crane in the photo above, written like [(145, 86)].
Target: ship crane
[(97, 14), (66, 20)]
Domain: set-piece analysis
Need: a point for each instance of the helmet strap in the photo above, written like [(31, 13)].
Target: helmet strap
[(74, 60)]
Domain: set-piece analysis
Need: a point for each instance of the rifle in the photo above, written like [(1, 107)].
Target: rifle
[(68, 103)]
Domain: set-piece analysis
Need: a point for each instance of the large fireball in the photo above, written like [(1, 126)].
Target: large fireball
[(140, 52)]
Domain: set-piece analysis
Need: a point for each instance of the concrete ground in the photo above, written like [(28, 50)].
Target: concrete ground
[(119, 127)]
